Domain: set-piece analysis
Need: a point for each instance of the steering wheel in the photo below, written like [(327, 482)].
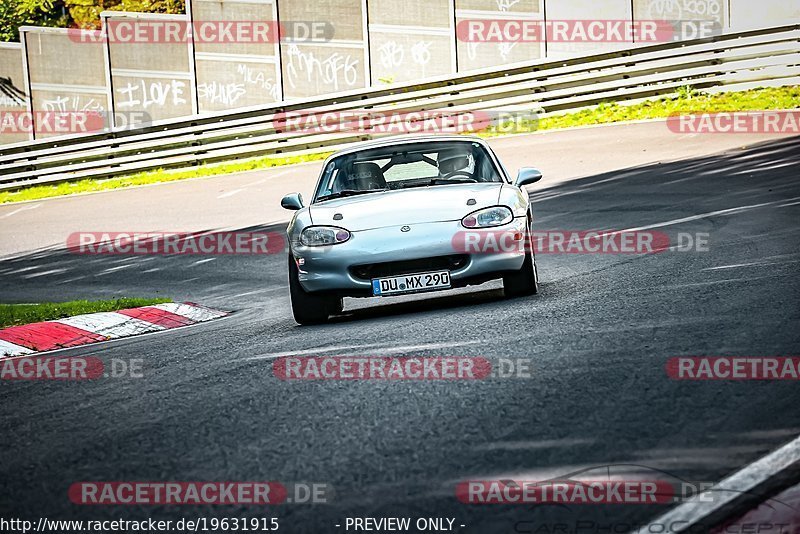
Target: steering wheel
[(460, 175)]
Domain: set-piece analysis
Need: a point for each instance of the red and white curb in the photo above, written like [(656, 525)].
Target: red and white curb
[(94, 327)]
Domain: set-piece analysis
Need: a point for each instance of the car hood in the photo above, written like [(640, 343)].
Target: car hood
[(405, 206)]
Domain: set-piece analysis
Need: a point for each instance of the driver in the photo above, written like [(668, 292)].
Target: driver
[(455, 162), (361, 176)]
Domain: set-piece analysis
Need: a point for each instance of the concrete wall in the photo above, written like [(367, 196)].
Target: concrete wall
[(476, 55), (412, 40), (313, 67), (369, 43), (567, 10), (234, 75), (746, 14), (13, 96), (74, 85), (155, 79), (715, 11)]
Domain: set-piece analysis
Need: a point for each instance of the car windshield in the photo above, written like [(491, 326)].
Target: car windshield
[(404, 166)]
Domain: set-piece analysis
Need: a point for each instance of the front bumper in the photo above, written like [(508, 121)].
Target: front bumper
[(330, 268)]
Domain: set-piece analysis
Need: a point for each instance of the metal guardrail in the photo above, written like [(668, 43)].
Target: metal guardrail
[(769, 56)]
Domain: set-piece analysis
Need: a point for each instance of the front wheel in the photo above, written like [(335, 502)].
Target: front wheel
[(523, 282), (309, 308)]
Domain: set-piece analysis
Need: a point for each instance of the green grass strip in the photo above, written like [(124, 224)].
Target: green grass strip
[(18, 314)]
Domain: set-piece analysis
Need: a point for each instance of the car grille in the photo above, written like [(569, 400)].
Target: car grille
[(395, 268)]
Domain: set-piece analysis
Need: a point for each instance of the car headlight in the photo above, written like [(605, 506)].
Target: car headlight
[(318, 236), (488, 217)]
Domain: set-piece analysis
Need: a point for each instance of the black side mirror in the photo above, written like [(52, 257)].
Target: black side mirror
[(527, 175), (292, 201)]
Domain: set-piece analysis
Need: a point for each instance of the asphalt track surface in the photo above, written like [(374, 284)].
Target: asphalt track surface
[(598, 336)]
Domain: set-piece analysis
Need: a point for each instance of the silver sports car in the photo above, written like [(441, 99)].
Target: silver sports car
[(404, 216)]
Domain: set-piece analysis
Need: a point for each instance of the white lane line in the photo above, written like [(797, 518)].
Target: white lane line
[(721, 496), (253, 292), (24, 208), (224, 297), (726, 281), (303, 352), (24, 269), (736, 266), (113, 269), (270, 177), (10, 349), (227, 194), (532, 445), (754, 264), (729, 211), (44, 273), (230, 193), (425, 346), (68, 280), (257, 182), (381, 348)]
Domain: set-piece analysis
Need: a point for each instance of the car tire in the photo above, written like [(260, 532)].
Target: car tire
[(525, 281), (336, 305), (308, 308)]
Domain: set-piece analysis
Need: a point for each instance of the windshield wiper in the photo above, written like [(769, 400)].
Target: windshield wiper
[(447, 181), (440, 181), (348, 193)]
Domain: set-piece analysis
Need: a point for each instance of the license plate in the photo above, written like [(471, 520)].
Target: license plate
[(410, 283)]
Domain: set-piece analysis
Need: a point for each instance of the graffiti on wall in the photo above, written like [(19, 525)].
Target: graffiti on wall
[(682, 9), (72, 103), (480, 53), (335, 70), (147, 94), (392, 54), (229, 94), (10, 95)]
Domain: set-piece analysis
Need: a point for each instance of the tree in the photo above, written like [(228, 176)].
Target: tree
[(72, 13), (16, 13), (86, 13)]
